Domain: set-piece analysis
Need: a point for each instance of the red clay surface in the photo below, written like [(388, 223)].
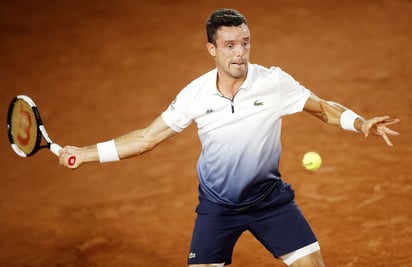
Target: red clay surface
[(98, 69)]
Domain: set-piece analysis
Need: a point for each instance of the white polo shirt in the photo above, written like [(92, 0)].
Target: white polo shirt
[(240, 138)]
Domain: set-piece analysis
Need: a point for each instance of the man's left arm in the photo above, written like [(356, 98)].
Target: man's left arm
[(338, 115)]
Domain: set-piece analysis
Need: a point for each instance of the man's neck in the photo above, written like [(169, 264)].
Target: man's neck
[(229, 86)]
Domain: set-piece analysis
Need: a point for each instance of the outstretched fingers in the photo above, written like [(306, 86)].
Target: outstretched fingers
[(379, 126)]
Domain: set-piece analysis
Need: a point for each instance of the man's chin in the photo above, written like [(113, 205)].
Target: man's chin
[(238, 71)]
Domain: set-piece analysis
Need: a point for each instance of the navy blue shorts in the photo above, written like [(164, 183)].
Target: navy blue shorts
[(276, 222)]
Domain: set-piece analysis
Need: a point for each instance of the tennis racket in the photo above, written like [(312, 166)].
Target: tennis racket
[(26, 130)]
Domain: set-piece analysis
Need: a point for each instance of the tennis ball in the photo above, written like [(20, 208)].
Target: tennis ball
[(311, 161)]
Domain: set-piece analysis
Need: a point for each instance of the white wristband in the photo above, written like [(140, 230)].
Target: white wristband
[(347, 120), (107, 151)]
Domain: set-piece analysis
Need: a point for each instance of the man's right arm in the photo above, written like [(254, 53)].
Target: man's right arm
[(129, 145)]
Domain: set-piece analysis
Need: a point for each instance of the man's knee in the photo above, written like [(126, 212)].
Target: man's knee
[(312, 260), (308, 256)]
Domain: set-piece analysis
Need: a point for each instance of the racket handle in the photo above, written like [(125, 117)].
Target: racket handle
[(55, 148)]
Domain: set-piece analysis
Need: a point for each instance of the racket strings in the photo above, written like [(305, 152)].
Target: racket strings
[(24, 129)]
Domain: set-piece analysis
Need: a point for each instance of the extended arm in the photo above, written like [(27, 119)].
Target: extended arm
[(331, 113), (128, 145)]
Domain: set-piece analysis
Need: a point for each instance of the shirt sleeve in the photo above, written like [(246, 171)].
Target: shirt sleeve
[(176, 116), (292, 94)]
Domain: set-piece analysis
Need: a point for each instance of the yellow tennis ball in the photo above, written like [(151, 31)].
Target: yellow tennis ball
[(311, 161)]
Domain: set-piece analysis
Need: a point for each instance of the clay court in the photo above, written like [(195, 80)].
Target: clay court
[(99, 69)]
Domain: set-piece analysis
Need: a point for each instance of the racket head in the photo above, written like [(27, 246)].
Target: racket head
[(23, 121)]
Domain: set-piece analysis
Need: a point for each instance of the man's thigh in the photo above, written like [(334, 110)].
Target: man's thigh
[(282, 229), (214, 237)]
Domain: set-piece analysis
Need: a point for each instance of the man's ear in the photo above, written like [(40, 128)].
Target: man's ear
[(211, 49)]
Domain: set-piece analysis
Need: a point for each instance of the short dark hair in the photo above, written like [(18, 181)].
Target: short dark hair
[(222, 17)]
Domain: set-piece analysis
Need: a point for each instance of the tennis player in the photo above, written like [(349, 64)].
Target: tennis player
[(238, 108)]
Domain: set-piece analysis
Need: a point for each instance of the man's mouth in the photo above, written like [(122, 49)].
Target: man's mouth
[(238, 63)]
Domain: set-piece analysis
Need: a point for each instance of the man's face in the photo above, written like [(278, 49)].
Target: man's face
[(231, 51)]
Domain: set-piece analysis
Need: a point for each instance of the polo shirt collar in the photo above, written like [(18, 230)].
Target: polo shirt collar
[(245, 85)]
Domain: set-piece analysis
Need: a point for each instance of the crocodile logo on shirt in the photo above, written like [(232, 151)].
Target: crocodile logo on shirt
[(258, 103)]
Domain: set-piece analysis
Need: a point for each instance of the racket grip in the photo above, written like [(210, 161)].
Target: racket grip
[(55, 148)]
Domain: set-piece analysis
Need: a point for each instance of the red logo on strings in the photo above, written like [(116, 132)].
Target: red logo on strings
[(24, 127)]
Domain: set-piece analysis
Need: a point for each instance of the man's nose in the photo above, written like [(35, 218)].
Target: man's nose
[(240, 50)]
